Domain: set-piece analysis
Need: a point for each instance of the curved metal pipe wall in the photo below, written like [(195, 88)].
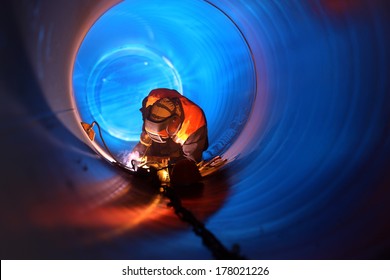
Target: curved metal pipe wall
[(310, 179), (134, 48)]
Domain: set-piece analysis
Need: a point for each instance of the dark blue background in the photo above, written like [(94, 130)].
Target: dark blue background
[(309, 173)]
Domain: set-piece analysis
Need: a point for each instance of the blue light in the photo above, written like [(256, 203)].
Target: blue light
[(111, 76), (313, 173), (189, 46)]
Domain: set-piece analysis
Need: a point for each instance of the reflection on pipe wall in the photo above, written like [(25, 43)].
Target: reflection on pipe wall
[(312, 144), (189, 46)]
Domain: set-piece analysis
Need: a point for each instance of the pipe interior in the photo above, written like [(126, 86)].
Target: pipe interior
[(296, 95)]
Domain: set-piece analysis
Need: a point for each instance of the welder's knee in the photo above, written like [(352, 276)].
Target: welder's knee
[(185, 173)]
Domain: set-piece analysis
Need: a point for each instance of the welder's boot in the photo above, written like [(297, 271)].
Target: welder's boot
[(185, 173)]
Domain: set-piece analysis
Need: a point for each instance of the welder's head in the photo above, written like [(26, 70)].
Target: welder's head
[(163, 120)]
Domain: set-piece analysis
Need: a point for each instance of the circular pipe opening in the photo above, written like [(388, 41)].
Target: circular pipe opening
[(314, 183), (191, 46)]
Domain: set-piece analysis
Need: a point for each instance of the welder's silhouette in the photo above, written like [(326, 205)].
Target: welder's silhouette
[(174, 127)]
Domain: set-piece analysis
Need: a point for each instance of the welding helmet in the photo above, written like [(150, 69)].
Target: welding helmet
[(163, 120)]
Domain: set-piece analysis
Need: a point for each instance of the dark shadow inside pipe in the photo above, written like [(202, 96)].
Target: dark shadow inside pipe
[(310, 179)]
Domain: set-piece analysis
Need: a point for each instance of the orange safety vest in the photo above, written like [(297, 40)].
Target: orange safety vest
[(194, 117)]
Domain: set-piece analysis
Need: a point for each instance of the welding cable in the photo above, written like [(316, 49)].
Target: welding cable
[(218, 250), (116, 161), (133, 170)]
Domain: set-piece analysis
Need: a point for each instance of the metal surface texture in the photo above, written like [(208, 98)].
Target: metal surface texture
[(296, 95)]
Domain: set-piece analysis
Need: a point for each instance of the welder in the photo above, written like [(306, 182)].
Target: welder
[(174, 127)]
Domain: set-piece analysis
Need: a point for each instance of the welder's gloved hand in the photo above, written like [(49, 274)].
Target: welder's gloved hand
[(185, 173), (135, 157)]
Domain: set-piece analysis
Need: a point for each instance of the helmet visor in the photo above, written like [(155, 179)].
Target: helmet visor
[(157, 131)]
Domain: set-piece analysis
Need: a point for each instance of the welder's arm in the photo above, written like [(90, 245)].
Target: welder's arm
[(144, 142), (196, 143), (141, 147)]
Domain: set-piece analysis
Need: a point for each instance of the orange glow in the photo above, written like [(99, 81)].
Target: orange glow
[(338, 6)]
